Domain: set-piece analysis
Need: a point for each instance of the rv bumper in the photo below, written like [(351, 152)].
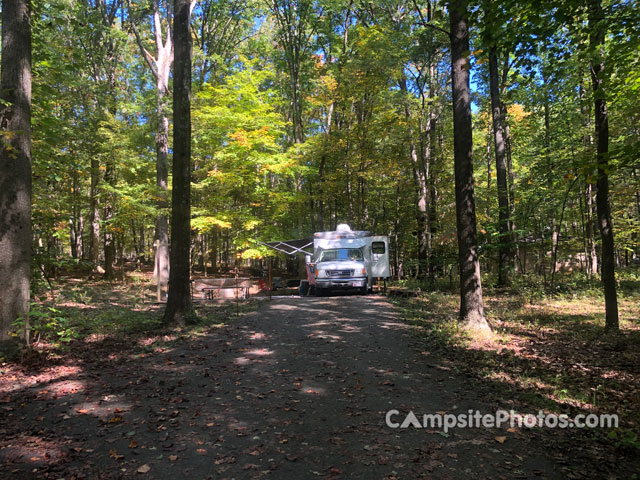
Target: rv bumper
[(341, 283)]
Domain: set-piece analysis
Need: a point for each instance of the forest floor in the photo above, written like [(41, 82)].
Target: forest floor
[(298, 388)]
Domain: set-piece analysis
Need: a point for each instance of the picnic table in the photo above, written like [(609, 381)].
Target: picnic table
[(214, 288)]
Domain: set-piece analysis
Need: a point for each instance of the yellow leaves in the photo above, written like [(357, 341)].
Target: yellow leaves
[(214, 173), (517, 112), (240, 137), (329, 83), (203, 224), (251, 224)]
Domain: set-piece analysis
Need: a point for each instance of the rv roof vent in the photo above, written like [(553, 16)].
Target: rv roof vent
[(343, 227)]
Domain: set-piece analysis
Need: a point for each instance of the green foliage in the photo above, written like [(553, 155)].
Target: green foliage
[(47, 323)]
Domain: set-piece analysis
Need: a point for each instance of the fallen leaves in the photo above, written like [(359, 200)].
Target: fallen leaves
[(115, 455), (144, 468)]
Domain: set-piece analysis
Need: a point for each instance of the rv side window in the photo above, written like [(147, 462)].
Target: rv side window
[(377, 248)]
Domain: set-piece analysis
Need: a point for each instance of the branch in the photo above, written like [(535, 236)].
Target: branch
[(430, 25), (145, 53)]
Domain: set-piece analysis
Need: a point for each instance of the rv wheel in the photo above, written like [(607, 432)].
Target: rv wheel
[(364, 290)]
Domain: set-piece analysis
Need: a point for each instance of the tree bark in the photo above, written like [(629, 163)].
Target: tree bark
[(94, 212), (179, 307), (471, 304), (161, 264), (160, 66), (505, 255), (420, 178), (15, 166), (596, 40), (108, 237)]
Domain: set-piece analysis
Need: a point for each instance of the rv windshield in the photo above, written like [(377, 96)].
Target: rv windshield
[(340, 254)]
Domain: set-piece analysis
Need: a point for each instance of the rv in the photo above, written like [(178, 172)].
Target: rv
[(347, 259)]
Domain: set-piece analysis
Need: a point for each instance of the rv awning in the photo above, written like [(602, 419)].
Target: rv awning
[(292, 247)]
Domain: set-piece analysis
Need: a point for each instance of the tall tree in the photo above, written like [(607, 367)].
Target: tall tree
[(505, 255), (597, 27), (160, 66), (15, 164), (179, 307), (471, 304)]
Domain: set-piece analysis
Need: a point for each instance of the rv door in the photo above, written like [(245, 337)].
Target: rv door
[(380, 257)]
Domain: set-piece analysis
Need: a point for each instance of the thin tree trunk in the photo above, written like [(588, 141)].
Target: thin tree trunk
[(505, 255), (15, 167), (593, 253), (421, 187), (161, 239), (108, 237), (94, 212), (179, 307), (471, 303), (597, 35)]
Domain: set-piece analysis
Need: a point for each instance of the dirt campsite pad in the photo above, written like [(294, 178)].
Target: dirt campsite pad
[(298, 389)]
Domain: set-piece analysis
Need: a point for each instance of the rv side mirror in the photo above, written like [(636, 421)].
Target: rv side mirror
[(307, 258)]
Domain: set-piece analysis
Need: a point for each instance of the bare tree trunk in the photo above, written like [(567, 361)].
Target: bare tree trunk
[(593, 253), (421, 187), (160, 66), (179, 307), (471, 303), (597, 37), (505, 254), (94, 212), (161, 238), (15, 167), (107, 235)]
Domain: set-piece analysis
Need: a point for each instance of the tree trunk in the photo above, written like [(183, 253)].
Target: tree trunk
[(505, 254), (593, 253), (597, 29), (15, 166), (161, 238), (179, 307), (421, 186), (94, 212), (471, 304), (108, 237)]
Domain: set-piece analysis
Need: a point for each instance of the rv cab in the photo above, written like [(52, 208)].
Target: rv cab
[(346, 259)]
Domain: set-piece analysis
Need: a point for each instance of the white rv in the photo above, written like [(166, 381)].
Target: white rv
[(347, 259)]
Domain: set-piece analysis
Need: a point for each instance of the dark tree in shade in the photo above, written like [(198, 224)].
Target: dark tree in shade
[(504, 252), (15, 164), (471, 305), (597, 29), (179, 307)]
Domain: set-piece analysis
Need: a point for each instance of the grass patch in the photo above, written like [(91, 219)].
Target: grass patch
[(551, 353), (79, 311)]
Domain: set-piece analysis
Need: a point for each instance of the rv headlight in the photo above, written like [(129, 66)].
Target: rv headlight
[(319, 273)]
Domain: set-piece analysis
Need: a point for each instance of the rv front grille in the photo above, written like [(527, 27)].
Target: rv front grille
[(340, 273)]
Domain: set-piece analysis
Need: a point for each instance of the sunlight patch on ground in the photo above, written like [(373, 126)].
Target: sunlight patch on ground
[(325, 336), (260, 352), (310, 390), (109, 408), (32, 450), (62, 388), (394, 326), (9, 383), (351, 329), (145, 342)]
